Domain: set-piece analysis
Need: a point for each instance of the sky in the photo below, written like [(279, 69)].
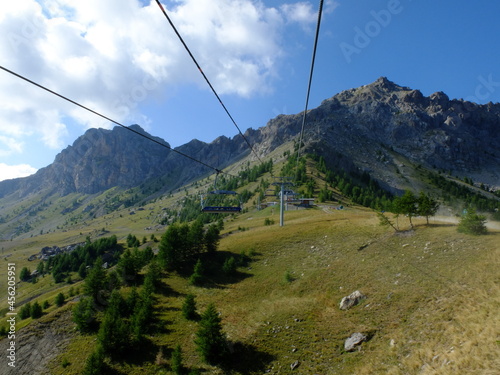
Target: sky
[(122, 59)]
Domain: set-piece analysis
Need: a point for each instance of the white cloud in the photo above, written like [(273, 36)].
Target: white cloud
[(302, 12), (112, 55), (8, 172)]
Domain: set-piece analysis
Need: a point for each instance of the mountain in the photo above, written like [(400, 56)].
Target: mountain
[(367, 127), (375, 128), (101, 159)]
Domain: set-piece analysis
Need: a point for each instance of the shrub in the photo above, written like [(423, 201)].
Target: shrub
[(472, 223)]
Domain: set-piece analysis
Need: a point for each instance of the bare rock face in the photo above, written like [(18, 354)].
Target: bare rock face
[(354, 340), (351, 300)]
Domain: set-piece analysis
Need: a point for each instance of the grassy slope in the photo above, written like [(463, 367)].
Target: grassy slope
[(434, 292)]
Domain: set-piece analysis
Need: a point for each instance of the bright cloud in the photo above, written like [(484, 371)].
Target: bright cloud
[(8, 172), (113, 55)]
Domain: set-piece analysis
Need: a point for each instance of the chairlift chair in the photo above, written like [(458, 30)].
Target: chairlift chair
[(213, 203)]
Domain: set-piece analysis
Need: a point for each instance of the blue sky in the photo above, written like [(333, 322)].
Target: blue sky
[(121, 58)]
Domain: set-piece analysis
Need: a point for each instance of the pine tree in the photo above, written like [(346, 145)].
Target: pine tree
[(212, 238), (198, 276), (36, 310), (406, 205), (114, 333), (95, 363), (95, 280), (210, 339), (25, 274), (472, 223), (177, 366), (59, 300), (426, 206), (84, 315), (189, 308), (25, 311)]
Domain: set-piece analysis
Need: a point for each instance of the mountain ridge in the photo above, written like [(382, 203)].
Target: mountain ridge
[(360, 128)]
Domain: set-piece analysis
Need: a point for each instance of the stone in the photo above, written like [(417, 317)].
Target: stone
[(294, 365), (351, 300), (354, 340)]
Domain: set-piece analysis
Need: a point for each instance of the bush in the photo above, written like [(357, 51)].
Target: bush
[(472, 223), (268, 221)]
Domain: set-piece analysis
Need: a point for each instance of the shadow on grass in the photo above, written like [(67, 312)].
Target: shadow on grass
[(247, 359), (143, 352), (165, 290)]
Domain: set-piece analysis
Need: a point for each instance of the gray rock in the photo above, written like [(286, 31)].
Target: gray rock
[(351, 300), (354, 340)]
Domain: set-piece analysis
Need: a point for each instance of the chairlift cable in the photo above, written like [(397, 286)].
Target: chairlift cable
[(206, 78), (318, 24), (113, 121)]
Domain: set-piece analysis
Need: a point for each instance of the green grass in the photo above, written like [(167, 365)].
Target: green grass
[(433, 292)]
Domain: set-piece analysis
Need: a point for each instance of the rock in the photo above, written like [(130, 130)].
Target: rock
[(351, 300), (294, 365), (354, 340)]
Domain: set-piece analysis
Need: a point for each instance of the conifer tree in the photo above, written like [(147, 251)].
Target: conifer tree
[(210, 339), (177, 366), (189, 307), (427, 206), (472, 223)]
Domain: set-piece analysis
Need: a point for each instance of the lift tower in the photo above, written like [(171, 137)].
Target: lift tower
[(282, 182)]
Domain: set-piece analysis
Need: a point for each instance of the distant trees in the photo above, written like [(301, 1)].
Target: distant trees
[(410, 205), (182, 243)]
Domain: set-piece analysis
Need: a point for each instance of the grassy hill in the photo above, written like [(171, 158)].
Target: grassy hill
[(432, 293), (431, 307)]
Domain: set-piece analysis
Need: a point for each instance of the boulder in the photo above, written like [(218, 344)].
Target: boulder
[(354, 340), (351, 300)]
